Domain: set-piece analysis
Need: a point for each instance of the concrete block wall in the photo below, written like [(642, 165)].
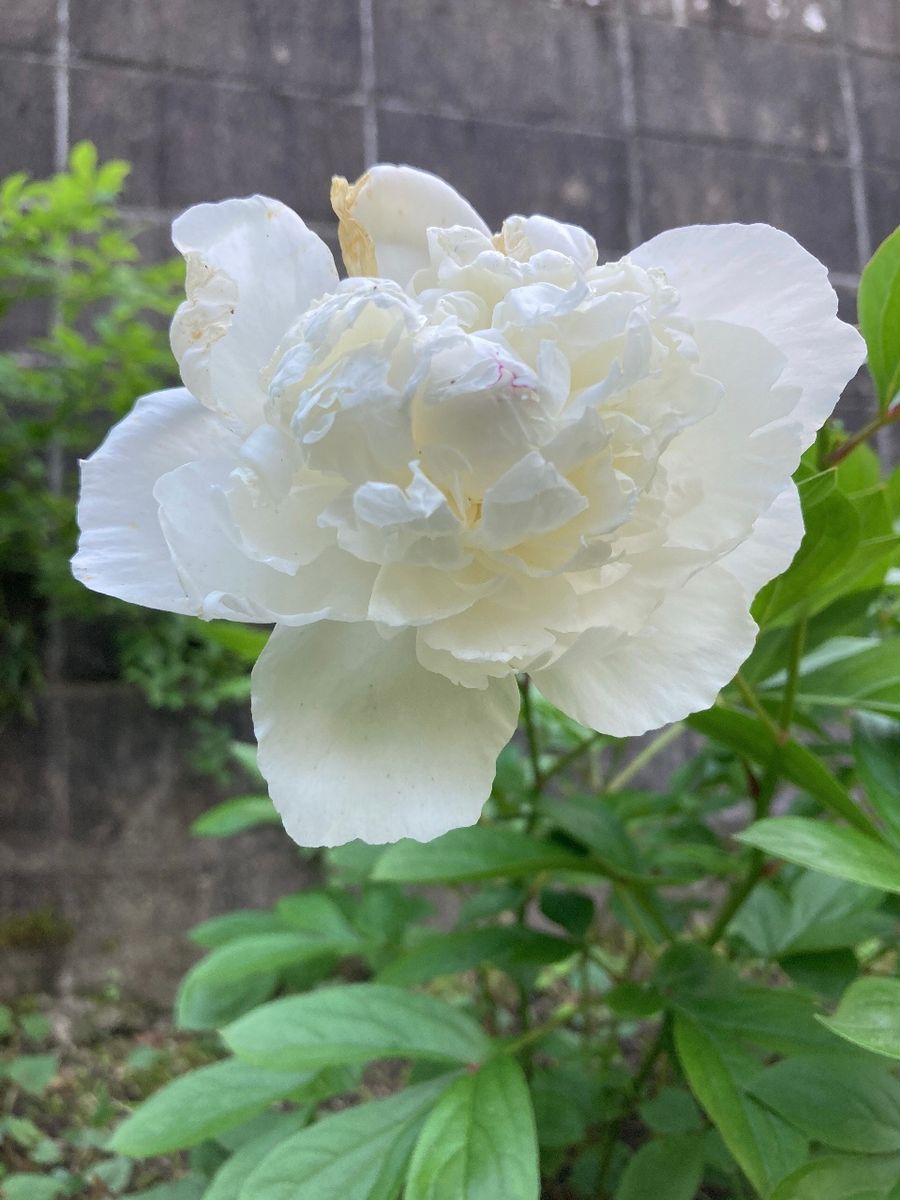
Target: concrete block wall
[(626, 116)]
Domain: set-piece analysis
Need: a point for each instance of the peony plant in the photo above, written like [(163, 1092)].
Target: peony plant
[(484, 467), (477, 456)]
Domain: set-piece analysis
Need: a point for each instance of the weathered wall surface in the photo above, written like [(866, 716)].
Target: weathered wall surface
[(626, 116)]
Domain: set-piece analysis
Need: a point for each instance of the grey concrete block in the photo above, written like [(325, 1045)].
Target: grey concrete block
[(883, 192), (195, 140), (779, 18), (311, 46), (501, 170), (520, 60), (26, 117), (27, 811), (28, 25), (873, 24), (684, 184), (731, 86), (878, 101)]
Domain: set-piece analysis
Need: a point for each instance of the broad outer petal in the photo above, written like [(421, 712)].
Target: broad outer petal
[(384, 218), (121, 550), (356, 740), (253, 269), (760, 277), (692, 646), (771, 547)]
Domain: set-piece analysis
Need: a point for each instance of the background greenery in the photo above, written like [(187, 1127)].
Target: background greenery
[(685, 991)]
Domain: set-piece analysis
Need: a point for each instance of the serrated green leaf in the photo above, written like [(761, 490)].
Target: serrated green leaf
[(479, 1142)]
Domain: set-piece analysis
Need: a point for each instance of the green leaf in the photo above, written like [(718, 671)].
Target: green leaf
[(262, 953), (670, 1167), (830, 849), (841, 1100), (201, 1104), (236, 816), (230, 1178), (360, 1153), (869, 1015), (241, 923), (355, 1023), (765, 1147), (672, 1110), (191, 1187), (876, 746), (572, 910), (859, 673), (510, 948), (593, 822), (33, 1187), (33, 1073), (878, 303), (478, 852), (203, 1005), (749, 738), (479, 1142), (842, 1177), (317, 915)]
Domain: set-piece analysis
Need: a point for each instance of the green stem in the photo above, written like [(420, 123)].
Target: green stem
[(752, 701), (570, 756), (646, 755), (839, 453), (531, 735)]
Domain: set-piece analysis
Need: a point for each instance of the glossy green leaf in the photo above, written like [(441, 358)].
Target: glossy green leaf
[(361, 1153), (355, 1023), (479, 1143), (201, 1104), (844, 1101), (478, 852), (748, 737), (670, 1166), (236, 816), (842, 1177), (765, 1147), (230, 1178), (869, 1015), (878, 302), (831, 849), (876, 746), (510, 948)]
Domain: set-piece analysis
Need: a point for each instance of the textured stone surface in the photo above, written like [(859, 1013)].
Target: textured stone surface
[(878, 96), (313, 45), (528, 61), (28, 24), (883, 189), (574, 177), (686, 184), (874, 24), (780, 18), (191, 140), (26, 117), (730, 86)]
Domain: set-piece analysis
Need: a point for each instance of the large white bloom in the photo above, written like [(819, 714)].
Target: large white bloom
[(478, 455)]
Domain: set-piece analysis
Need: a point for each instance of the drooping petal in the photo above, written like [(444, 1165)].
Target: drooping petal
[(222, 581), (771, 547), (690, 648), (384, 218), (121, 550), (356, 740), (253, 269), (760, 277)]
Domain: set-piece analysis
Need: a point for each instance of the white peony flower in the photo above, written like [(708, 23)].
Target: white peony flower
[(478, 455)]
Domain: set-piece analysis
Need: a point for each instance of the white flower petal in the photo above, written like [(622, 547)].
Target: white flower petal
[(222, 581), (760, 277), (692, 646), (531, 499), (523, 237), (121, 550), (253, 269), (356, 740), (384, 218), (771, 547)]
